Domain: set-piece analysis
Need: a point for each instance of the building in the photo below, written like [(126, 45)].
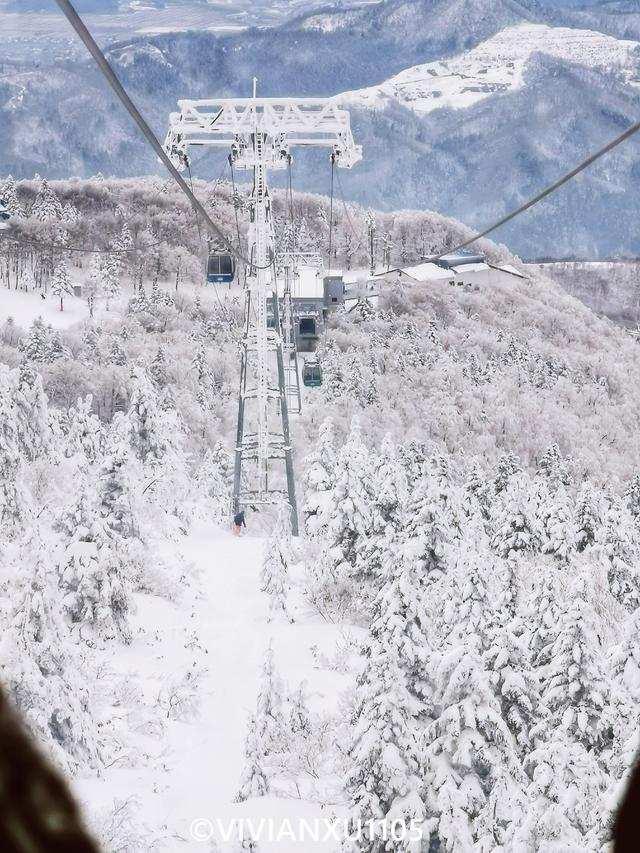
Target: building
[(459, 269)]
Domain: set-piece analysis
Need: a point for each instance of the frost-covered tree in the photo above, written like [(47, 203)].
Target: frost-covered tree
[(508, 465), (85, 433), (383, 767), (513, 518), (586, 518), (93, 578), (158, 368), (145, 425), (9, 197), (320, 473), (575, 686), (211, 484), (554, 521), (43, 671), (34, 346), (61, 283), (116, 354), (553, 468), (273, 578), (617, 547), (47, 206), (254, 782), (31, 413), (350, 502)]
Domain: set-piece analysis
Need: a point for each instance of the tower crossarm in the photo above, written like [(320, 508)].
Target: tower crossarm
[(286, 122)]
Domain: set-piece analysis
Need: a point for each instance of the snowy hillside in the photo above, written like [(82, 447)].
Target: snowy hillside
[(452, 642), (497, 66)]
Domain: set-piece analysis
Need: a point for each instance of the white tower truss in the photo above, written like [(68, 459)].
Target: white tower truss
[(260, 133)]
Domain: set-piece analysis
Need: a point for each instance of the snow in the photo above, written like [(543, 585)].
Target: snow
[(202, 758), (496, 66), (27, 307)]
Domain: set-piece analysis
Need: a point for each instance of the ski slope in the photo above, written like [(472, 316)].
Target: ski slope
[(497, 66), (192, 772)]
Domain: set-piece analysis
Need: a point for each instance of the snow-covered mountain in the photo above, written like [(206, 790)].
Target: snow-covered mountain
[(499, 65), (467, 106)]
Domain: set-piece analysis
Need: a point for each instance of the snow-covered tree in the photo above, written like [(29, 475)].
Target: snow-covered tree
[(46, 206), (44, 671), (273, 578), (254, 782), (61, 283), (93, 577), (320, 472)]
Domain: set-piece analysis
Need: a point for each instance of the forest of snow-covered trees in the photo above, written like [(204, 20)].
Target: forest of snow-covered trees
[(470, 494)]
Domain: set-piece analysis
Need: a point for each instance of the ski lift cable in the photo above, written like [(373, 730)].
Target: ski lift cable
[(83, 249), (630, 131), (333, 169), (89, 42), (347, 214)]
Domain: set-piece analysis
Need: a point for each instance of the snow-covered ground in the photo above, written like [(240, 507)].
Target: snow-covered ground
[(24, 308), (498, 65), (218, 628)]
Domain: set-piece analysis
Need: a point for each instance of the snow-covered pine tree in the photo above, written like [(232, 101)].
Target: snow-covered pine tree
[(508, 465), (85, 433), (61, 283), (31, 413), (632, 497), (554, 519), (319, 479), (390, 492), (350, 503), (618, 548), (93, 577), (554, 468), (158, 368), (42, 670), (110, 278), (383, 780), (34, 346), (513, 518), (116, 354), (575, 686), (478, 493), (145, 428), (586, 518), (254, 781), (46, 206), (273, 578), (211, 485), (9, 196)]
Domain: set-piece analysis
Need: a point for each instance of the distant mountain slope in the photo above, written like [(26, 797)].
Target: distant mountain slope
[(502, 103), (499, 65)]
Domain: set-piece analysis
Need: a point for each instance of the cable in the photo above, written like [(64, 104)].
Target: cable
[(197, 218), (333, 168), (347, 214), (87, 39), (548, 190), (85, 251)]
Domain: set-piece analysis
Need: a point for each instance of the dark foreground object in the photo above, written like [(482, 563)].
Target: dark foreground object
[(626, 831), (37, 813)]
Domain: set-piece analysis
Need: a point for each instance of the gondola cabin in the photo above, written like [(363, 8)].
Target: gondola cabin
[(221, 268), (312, 375)]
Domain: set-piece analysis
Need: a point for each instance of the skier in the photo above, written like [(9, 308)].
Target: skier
[(238, 522)]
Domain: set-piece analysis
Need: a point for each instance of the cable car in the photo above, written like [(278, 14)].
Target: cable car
[(221, 267), (312, 374), (5, 216)]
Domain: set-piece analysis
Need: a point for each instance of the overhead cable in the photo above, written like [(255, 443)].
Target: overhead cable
[(78, 25), (548, 190)]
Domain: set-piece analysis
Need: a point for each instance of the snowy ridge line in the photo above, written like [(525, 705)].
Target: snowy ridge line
[(495, 67)]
